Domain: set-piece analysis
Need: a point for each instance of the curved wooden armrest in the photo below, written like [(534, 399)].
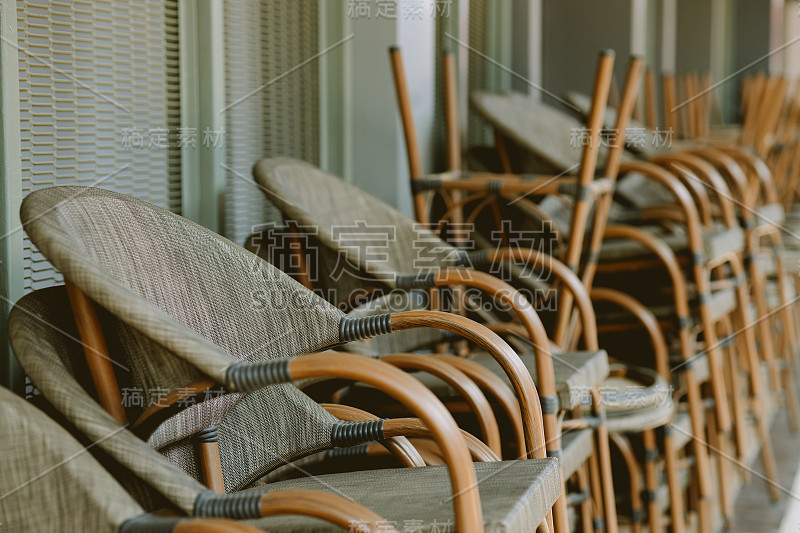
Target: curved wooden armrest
[(543, 261), (732, 170), (518, 375), (710, 177), (400, 428), (497, 388), (646, 318), (400, 447), (757, 166), (686, 175), (526, 184), (414, 427), (462, 384), (329, 507), (418, 399), (198, 525), (665, 255), (508, 295), (678, 190)]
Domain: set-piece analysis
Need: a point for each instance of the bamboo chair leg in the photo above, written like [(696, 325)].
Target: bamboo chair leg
[(582, 477), (737, 399), (791, 346), (721, 415), (790, 391), (604, 457), (676, 510), (635, 477), (759, 406), (767, 454), (210, 462), (767, 346), (719, 440), (651, 479), (502, 152), (598, 522), (96, 353)]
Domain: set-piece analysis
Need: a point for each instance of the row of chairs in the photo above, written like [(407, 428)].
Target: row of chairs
[(443, 372)]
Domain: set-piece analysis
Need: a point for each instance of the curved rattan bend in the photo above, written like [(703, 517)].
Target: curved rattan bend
[(466, 388)]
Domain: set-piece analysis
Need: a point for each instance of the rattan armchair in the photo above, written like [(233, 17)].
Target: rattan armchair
[(124, 255), (51, 482)]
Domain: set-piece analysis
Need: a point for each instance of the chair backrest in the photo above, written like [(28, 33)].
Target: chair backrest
[(49, 481), (257, 433), (372, 236), (178, 288)]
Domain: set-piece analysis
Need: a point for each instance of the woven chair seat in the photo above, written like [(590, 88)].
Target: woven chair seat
[(636, 400), (576, 374), (650, 148), (543, 130), (576, 447), (514, 495), (716, 241)]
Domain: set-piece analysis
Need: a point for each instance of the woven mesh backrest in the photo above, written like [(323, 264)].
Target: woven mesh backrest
[(255, 438), (45, 341), (261, 431), (46, 473), (171, 280), (372, 235)]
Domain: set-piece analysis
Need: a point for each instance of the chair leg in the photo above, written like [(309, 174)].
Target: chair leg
[(598, 523), (790, 346), (210, 462), (582, 477), (757, 393), (702, 461), (739, 409), (604, 457), (635, 477), (790, 391), (719, 440), (763, 326), (675, 494), (651, 479)]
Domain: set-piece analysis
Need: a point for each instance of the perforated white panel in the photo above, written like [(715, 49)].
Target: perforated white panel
[(266, 45), (99, 93)]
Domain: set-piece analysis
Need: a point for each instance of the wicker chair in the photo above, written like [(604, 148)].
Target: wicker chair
[(683, 181), (42, 462), (294, 188), (174, 290)]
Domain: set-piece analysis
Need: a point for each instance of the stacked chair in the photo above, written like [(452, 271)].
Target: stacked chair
[(297, 191), (709, 205), (494, 187), (157, 304), (321, 205), (46, 464), (461, 376)]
